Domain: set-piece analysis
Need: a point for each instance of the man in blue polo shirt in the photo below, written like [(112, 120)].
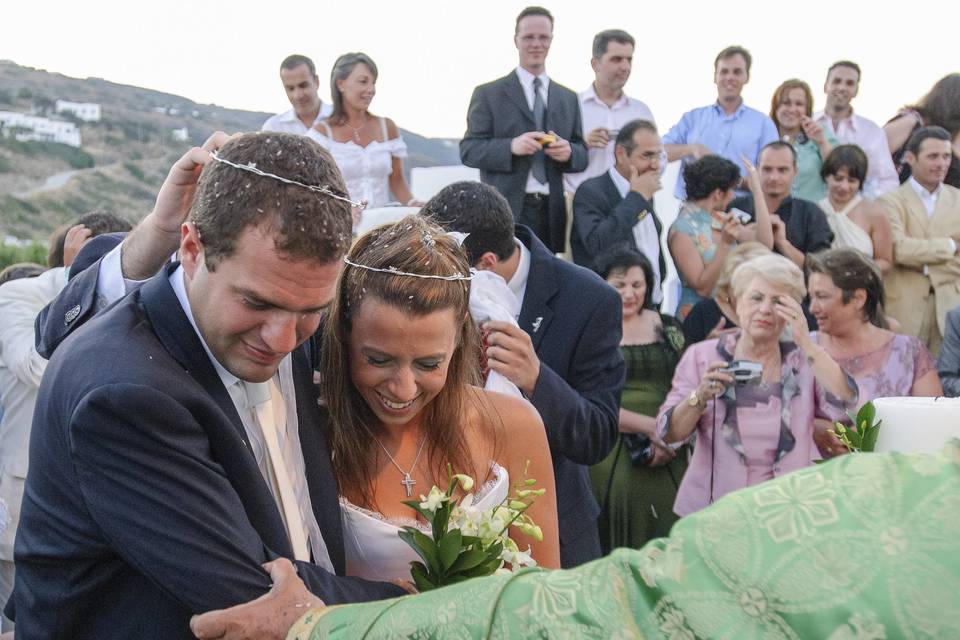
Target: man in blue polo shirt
[(727, 127)]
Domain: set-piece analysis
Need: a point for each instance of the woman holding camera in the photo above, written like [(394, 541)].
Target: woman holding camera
[(637, 483), (761, 426)]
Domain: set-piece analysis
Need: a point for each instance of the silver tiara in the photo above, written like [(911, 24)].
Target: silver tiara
[(252, 168), (396, 272)]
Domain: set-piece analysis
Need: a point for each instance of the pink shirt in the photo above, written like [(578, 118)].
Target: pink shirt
[(757, 431)]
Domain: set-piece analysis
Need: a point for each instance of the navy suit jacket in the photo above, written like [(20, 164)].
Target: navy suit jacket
[(574, 320), (497, 114), (144, 504), (604, 220)]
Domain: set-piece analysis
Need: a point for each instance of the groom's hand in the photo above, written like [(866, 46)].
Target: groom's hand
[(510, 353), (269, 617)]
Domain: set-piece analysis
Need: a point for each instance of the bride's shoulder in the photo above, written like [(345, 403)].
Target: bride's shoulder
[(506, 413)]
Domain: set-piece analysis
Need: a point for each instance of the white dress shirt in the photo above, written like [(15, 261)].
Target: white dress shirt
[(928, 198), (244, 397), (518, 282), (288, 122), (866, 134), (595, 113), (526, 82), (644, 234)]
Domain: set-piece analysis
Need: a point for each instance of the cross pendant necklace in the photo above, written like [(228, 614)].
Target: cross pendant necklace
[(408, 480)]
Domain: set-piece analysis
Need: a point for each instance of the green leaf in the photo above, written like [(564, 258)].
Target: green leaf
[(424, 546), (449, 548), (855, 437), (870, 438), (439, 523), (468, 560), (420, 578), (867, 414), (415, 505)]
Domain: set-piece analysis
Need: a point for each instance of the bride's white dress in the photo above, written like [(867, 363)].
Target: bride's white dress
[(373, 548)]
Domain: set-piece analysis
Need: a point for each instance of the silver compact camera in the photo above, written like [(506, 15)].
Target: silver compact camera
[(743, 371)]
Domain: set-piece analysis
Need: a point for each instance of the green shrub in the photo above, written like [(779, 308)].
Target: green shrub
[(33, 252)]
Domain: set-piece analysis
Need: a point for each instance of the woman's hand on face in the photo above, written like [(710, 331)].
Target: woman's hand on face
[(714, 382), (731, 230), (792, 313)]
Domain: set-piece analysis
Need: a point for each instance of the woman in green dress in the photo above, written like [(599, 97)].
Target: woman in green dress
[(636, 484)]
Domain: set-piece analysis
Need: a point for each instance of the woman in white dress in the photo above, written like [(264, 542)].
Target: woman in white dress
[(856, 222), (399, 376), (368, 149)]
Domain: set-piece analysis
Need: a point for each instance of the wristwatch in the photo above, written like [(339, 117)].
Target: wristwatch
[(694, 399)]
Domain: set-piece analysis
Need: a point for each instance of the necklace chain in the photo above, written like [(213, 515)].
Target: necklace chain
[(356, 135), (407, 481)]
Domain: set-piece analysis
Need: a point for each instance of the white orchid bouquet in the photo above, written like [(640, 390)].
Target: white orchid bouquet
[(469, 541)]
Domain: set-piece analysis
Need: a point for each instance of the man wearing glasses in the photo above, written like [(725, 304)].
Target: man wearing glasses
[(604, 105), (615, 209), (524, 133)]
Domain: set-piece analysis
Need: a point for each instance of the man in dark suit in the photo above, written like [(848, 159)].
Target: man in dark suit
[(524, 132), (615, 209), (178, 443), (564, 357)]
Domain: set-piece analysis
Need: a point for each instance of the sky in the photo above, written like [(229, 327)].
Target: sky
[(432, 53)]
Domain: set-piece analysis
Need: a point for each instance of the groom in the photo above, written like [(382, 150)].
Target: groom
[(178, 442)]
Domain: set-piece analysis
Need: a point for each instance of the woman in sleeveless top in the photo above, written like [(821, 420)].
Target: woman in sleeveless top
[(846, 297), (857, 223), (398, 372), (368, 149)]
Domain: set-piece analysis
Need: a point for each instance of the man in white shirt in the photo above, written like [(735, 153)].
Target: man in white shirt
[(300, 81), (841, 87), (924, 216), (615, 209), (524, 133), (604, 106)]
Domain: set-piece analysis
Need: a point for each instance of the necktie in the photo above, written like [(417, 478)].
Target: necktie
[(296, 530), (538, 167)]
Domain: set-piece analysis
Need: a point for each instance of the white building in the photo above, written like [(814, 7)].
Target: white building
[(181, 135), (86, 111), (39, 128)]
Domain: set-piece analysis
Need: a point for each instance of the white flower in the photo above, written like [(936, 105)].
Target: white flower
[(466, 482), (433, 501), (518, 559)]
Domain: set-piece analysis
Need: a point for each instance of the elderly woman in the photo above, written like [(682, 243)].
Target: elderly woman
[(704, 233), (754, 431), (791, 109), (846, 298), (369, 149), (709, 317), (855, 221)]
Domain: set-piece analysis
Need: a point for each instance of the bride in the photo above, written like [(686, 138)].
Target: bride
[(398, 374)]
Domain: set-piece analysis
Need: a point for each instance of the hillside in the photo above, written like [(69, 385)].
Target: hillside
[(124, 156)]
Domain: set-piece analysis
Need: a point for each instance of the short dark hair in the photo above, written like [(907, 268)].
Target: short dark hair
[(479, 210), (623, 258), (532, 11), (849, 157), (851, 270), (778, 144), (19, 270), (733, 50), (98, 222), (846, 63), (604, 38), (924, 133), (709, 173), (292, 62), (625, 136), (304, 224)]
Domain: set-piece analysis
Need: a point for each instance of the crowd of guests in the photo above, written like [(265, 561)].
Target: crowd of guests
[(279, 388)]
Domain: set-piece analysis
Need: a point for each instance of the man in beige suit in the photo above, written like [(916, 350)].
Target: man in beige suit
[(925, 216)]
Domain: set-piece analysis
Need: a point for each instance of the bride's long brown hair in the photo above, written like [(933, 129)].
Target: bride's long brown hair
[(412, 245)]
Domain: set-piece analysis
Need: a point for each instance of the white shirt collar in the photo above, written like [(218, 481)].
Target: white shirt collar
[(922, 190), (518, 283), (621, 183), (180, 289), (590, 95), (290, 115), (526, 78)]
